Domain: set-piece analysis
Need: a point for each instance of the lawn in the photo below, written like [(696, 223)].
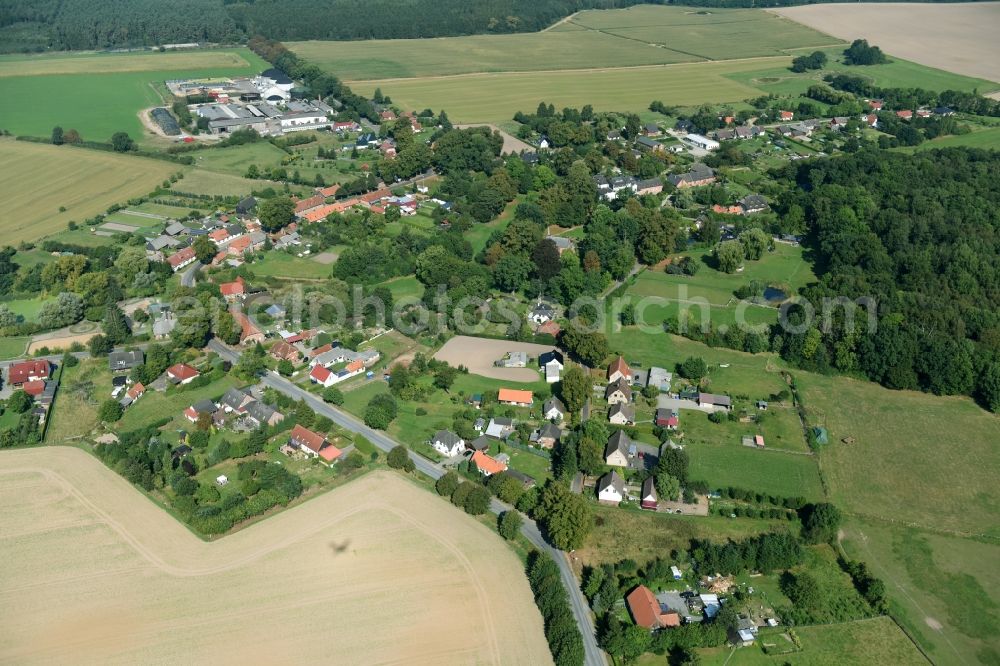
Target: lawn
[(234, 160), (621, 533), (171, 403), (99, 95), (985, 138), (496, 97), (407, 287), (13, 347), (283, 264), (28, 307), (647, 35), (936, 454), (36, 180), (204, 181), (942, 589), (860, 643), (81, 390)]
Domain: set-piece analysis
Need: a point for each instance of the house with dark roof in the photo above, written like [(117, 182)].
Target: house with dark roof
[(753, 203), (553, 409), (699, 174), (547, 436), (447, 443), (246, 206), (617, 449), (611, 488), (714, 401), (260, 413), (621, 414), (618, 392), (647, 496)]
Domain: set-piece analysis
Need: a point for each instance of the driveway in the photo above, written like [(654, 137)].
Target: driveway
[(666, 402)]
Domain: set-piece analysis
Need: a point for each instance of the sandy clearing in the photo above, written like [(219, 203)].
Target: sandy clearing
[(325, 258), (118, 226), (478, 355), (956, 37), (63, 342), (378, 571), (511, 144)]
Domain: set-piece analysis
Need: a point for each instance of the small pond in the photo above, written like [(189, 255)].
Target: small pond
[(773, 294)]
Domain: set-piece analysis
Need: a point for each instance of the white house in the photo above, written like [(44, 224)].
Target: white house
[(552, 364), (448, 443), (616, 451), (702, 142), (620, 414), (541, 313), (611, 488), (553, 409)]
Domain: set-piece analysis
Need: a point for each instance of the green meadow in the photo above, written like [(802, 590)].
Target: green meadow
[(99, 95)]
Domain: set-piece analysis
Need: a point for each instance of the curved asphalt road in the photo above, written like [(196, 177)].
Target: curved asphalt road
[(578, 603)]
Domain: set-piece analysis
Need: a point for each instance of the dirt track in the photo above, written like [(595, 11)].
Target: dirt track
[(478, 355), (958, 38), (378, 571)]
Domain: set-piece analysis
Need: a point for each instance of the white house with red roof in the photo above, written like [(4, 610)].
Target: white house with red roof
[(233, 291), (182, 373), (28, 371), (181, 258), (313, 444), (487, 465)]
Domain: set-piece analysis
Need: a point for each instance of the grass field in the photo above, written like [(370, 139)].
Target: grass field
[(171, 403), (36, 179), (936, 454), (986, 138), (282, 264), (645, 35), (13, 347), (99, 95), (81, 390), (943, 589), (234, 160), (85, 552)]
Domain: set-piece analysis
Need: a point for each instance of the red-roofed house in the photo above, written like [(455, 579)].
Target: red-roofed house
[(28, 371), (240, 246), (219, 258), (550, 328), (786, 115), (619, 370), (516, 397), (182, 373), (219, 235), (322, 376), (328, 191), (905, 114), (285, 352), (875, 104), (388, 114), (346, 126), (35, 388), (181, 258), (311, 202), (647, 612), (871, 120), (233, 291), (249, 333), (330, 453), (313, 353), (320, 212), (307, 441), (486, 465), (136, 391)]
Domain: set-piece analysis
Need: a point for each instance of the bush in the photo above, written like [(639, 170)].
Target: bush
[(333, 395), (510, 525), (110, 411)]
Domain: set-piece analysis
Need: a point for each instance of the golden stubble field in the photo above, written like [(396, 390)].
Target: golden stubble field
[(378, 571), (956, 37)]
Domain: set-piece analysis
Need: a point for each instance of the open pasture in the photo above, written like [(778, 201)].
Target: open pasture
[(380, 572), (36, 95), (36, 179), (956, 37)]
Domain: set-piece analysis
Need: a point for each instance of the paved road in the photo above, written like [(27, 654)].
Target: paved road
[(189, 274), (581, 611)]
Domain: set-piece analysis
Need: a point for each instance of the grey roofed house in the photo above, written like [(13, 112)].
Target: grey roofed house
[(553, 403), (276, 75), (161, 242), (125, 360), (725, 134), (246, 206), (481, 443), (197, 232), (446, 437), (499, 427), (530, 157), (627, 411), (263, 413), (618, 441), (715, 400), (257, 237), (163, 326), (553, 356), (621, 384), (646, 142), (649, 183), (651, 128), (561, 242), (601, 181), (175, 228), (526, 481), (235, 399), (659, 377), (233, 229), (753, 203), (611, 480), (549, 430), (204, 406)]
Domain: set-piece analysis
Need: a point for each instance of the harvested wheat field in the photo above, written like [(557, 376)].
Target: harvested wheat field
[(956, 37), (479, 354), (378, 571)]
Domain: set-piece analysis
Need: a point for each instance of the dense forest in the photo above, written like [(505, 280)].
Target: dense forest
[(41, 25), (921, 235)]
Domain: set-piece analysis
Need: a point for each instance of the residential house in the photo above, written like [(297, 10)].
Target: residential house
[(515, 397), (120, 361), (651, 129), (659, 378), (621, 414), (551, 363), (285, 352), (667, 418), (905, 114), (714, 401), (746, 631), (619, 369), (649, 186), (748, 132), (647, 497), (616, 451), (786, 115), (870, 119), (174, 228), (181, 258), (181, 373), (541, 313), (235, 401), (561, 242), (618, 392), (699, 174), (838, 123), (549, 328), (487, 465), (875, 104), (611, 488), (233, 291), (260, 414), (943, 111), (753, 203), (246, 206), (647, 612), (500, 427), (649, 145), (481, 443), (135, 392), (163, 326), (553, 409), (306, 441), (710, 604), (448, 443), (197, 409), (249, 333), (548, 435), (161, 242)]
